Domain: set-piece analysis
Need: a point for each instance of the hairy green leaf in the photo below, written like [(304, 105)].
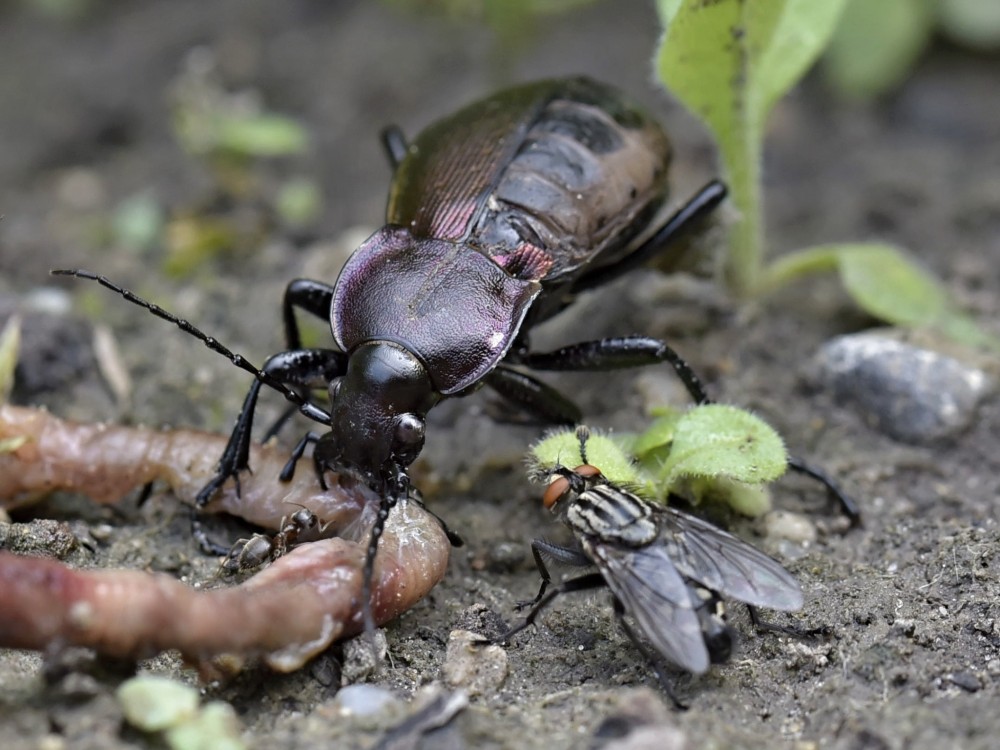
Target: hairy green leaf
[(563, 449), (717, 440)]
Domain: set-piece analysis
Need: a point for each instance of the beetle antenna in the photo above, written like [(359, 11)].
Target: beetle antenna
[(306, 407)]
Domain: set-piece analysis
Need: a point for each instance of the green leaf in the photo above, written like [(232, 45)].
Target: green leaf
[(974, 23), (154, 703), (748, 499), (299, 202), (658, 435), (717, 440), (215, 727), (890, 286), (886, 283), (10, 346), (138, 221), (876, 44), (261, 136), (729, 61)]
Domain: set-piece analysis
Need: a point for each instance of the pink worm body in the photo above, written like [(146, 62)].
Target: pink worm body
[(288, 612)]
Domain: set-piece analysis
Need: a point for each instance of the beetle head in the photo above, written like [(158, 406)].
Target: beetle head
[(378, 409)]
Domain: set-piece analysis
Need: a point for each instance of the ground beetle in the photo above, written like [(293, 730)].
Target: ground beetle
[(498, 216)]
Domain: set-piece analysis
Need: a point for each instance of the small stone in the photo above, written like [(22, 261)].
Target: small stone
[(364, 700), (795, 527), (476, 666), (359, 659), (914, 395), (965, 680)]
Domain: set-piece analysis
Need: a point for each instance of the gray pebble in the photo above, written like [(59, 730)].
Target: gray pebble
[(912, 394)]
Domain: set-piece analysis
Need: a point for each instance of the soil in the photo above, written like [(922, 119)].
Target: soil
[(913, 658)]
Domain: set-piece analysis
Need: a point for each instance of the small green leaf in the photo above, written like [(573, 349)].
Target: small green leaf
[(659, 434), (890, 286), (153, 703), (974, 23), (299, 202), (876, 44), (10, 346), (137, 223), (751, 500), (215, 727), (261, 136), (717, 440), (886, 283)]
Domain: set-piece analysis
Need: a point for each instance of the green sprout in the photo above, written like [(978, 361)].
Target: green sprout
[(876, 44), (712, 452), (729, 62)]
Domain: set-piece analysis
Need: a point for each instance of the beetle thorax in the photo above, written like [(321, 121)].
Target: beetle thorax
[(611, 514)]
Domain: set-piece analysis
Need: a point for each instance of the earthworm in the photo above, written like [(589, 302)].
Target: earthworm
[(287, 613)]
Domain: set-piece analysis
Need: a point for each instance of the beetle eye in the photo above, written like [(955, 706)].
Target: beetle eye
[(408, 437)]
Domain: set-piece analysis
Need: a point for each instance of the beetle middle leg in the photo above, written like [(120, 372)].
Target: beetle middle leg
[(635, 351), (541, 400)]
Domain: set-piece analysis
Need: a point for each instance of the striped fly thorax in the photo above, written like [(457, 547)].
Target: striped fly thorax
[(612, 515)]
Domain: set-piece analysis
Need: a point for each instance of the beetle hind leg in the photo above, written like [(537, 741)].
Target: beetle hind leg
[(683, 222)]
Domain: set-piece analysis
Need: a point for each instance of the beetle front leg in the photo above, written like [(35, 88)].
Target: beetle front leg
[(314, 297), (302, 368)]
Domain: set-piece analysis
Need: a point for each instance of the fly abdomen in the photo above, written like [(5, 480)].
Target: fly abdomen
[(720, 638)]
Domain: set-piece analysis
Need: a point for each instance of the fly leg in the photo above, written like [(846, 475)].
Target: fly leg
[(653, 659), (540, 548), (764, 626), (581, 583)]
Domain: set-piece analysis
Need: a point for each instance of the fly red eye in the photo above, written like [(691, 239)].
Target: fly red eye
[(558, 487)]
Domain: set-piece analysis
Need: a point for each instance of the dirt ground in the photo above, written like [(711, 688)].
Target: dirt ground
[(914, 656)]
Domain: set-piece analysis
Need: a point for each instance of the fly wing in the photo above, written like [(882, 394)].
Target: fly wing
[(656, 597), (725, 563)]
